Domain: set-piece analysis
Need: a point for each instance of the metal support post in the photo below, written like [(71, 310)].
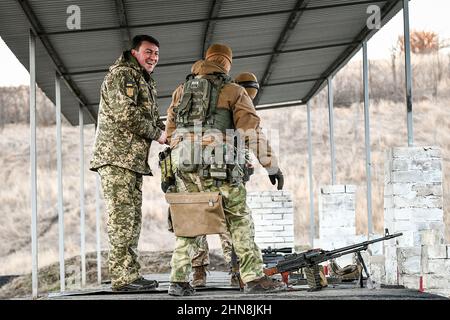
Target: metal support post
[(62, 278), (310, 169), (33, 176), (331, 124), (408, 73), (367, 139), (82, 213)]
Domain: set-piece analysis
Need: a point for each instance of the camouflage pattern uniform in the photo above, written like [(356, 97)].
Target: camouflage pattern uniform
[(239, 223), (238, 217), (128, 121)]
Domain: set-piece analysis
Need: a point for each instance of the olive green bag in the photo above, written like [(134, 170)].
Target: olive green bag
[(196, 213)]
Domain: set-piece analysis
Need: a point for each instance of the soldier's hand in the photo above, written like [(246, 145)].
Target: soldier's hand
[(163, 138), (277, 177)]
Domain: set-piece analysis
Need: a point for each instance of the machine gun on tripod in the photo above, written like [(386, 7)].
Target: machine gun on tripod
[(311, 259)]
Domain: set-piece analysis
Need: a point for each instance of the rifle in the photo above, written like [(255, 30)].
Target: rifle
[(311, 258)]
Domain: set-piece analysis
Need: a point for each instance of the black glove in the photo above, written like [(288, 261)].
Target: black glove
[(277, 176)]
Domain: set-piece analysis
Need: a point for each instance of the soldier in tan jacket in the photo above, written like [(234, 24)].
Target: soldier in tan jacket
[(234, 110), (128, 122)]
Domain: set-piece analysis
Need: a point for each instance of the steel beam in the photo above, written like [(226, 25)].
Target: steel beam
[(367, 139), (408, 73), (310, 171), (62, 274), (123, 23), (331, 126), (33, 176), (210, 25), (82, 213)]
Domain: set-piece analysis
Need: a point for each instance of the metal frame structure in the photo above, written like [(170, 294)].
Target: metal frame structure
[(62, 73)]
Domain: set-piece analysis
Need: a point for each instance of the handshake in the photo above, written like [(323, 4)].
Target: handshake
[(163, 138)]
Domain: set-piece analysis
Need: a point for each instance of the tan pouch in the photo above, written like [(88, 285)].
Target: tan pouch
[(196, 213)]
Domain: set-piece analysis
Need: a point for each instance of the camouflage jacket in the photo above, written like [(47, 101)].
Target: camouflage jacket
[(128, 118)]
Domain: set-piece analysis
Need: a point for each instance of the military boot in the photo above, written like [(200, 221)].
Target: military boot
[(180, 289), (140, 284), (264, 285), (199, 277), (234, 281)]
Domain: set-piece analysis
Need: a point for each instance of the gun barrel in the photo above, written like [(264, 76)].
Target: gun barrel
[(365, 244)]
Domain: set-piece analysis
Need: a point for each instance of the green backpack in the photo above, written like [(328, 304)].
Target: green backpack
[(199, 103)]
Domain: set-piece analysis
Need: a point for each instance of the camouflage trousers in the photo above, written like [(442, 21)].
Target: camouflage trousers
[(239, 224), (201, 257), (122, 191)]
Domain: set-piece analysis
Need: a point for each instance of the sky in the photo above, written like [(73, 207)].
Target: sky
[(425, 15)]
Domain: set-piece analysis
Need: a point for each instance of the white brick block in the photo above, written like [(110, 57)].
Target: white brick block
[(400, 164), (391, 264), (409, 260), (288, 217), (284, 222), (410, 281), (264, 228), (273, 216), (350, 188), (272, 205), (333, 189), (281, 198), (254, 205), (288, 204), (262, 211), (427, 189), (264, 199), (283, 210), (400, 188), (260, 222), (439, 267), (436, 251)]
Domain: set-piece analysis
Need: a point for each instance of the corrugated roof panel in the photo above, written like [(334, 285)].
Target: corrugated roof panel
[(79, 52), (157, 11), (255, 65), (304, 65), (183, 42), (275, 94), (178, 43), (168, 78), (93, 14), (333, 24), (251, 35), (239, 7)]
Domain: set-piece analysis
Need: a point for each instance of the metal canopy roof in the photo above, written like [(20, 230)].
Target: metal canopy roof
[(291, 45)]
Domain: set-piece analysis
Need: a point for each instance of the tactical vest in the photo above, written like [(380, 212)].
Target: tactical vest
[(199, 103)]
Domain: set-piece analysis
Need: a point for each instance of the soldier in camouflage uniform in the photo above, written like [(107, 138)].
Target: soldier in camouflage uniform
[(200, 261), (233, 102), (128, 122)]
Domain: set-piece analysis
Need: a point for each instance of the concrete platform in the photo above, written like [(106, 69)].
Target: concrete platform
[(218, 289)]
